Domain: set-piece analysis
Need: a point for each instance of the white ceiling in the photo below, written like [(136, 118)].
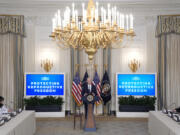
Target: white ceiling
[(79, 1), (94, 0), (50, 6)]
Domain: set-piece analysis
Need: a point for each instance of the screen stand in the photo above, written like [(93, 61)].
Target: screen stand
[(90, 125)]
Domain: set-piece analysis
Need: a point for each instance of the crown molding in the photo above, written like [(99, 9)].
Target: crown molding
[(63, 3), (49, 7)]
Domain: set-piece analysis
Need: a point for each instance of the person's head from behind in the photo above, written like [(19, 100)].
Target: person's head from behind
[(89, 81), (1, 101)]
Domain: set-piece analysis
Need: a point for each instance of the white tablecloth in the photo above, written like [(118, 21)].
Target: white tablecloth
[(161, 124), (23, 124)]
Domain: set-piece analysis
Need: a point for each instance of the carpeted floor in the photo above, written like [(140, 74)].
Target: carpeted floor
[(104, 127)]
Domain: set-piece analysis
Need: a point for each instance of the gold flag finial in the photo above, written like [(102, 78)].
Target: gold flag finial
[(105, 66), (76, 67), (95, 66)]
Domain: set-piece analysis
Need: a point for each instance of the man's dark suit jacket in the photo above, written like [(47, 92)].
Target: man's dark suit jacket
[(86, 90)]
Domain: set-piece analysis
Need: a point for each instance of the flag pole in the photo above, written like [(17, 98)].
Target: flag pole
[(76, 70), (95, 67), (105, 106), (86, 65), (105, 66)]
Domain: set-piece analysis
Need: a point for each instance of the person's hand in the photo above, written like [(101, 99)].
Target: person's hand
[(85, 94), (93, 94)]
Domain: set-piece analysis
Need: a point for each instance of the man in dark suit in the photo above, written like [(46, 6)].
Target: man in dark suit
[(87, 89)]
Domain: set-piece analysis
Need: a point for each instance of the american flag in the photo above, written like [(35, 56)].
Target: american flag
[(76, 89), (97, 83)]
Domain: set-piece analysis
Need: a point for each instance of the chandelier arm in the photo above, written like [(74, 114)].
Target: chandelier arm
[(79, 38), (91, 31)]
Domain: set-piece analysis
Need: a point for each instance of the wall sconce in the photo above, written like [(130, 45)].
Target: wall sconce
[(47, 65), (134, 65)]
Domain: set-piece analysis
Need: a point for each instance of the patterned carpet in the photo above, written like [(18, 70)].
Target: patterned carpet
[(105, 126)]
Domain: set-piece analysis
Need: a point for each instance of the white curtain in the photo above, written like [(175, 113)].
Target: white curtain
[(7, 68), (11, 60), (11, 76), (168, 33), (173, 70)]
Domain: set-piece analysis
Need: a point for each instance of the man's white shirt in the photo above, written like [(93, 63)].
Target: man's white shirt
[(89, 87)]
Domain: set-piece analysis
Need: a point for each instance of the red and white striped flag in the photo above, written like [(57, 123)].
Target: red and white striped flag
[(97, 83), (76, 89)]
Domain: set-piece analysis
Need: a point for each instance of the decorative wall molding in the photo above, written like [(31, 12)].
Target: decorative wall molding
[(48, 7), (30, 19), (122, 3), (150, 19), (39, 20)]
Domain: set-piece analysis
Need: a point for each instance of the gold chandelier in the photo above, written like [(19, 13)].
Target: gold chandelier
[(91, 30)]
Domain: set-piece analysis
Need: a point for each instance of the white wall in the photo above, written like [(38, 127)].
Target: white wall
[(142, 48), (39, 46)]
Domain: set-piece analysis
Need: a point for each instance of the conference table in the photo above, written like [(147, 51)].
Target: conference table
[(161, 124), (23, 124)]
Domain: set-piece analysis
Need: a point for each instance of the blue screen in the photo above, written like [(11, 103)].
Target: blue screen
[(136, 84), (44, 84)]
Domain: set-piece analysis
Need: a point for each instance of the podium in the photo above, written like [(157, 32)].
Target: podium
[(90, 125)]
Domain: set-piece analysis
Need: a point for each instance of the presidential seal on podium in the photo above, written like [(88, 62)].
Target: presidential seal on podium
[(90, 98)]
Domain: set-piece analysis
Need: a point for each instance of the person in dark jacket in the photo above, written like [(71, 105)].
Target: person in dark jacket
[(3, 108), (87, 89)]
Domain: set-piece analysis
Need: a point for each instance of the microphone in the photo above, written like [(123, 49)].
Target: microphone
[(171, 105), (9, 105), (171, 112), (167, 110), (11, 113), (19, 110)]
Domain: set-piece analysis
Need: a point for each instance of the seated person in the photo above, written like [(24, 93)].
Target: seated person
[(3, 108)]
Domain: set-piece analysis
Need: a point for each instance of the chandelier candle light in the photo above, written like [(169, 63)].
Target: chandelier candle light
[(91, 30)]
